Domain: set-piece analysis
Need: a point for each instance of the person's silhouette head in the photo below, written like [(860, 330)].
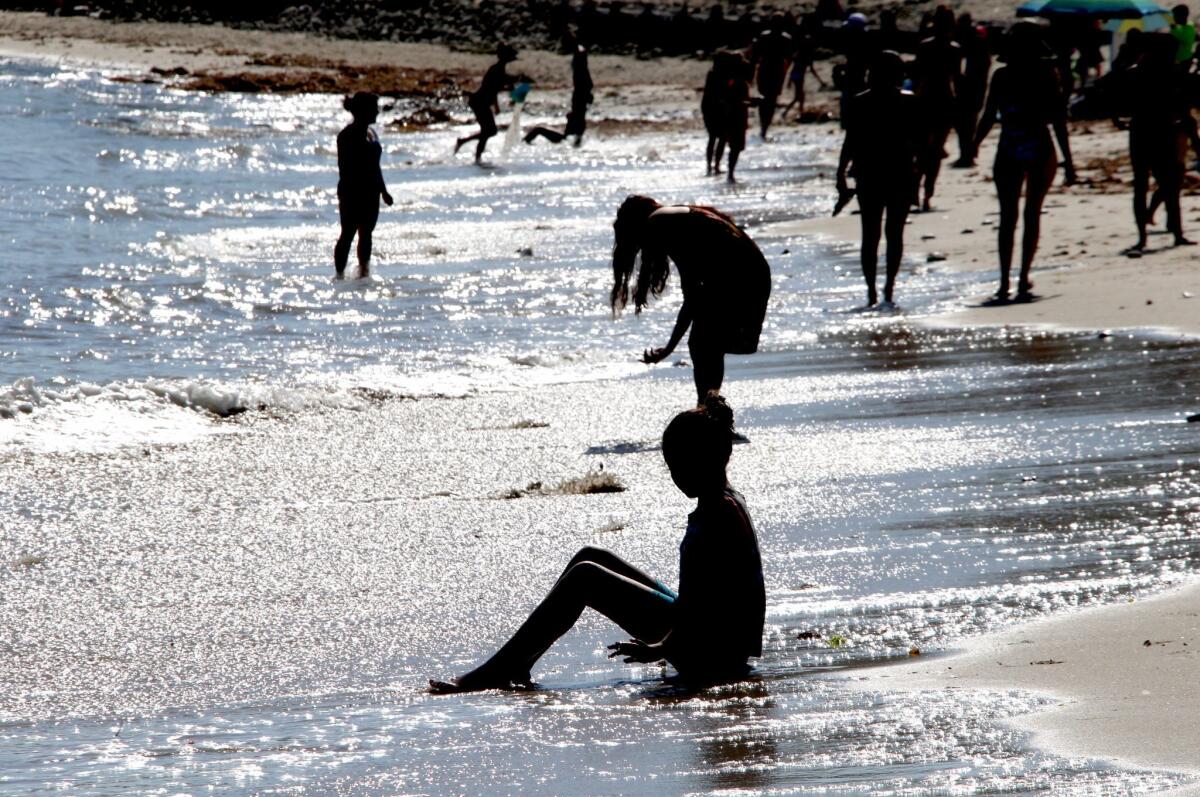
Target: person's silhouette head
[(943, 22), (1180, 13), (696, 446), (629, 239), (1025, 44), (887, 71), (506, 53), (363, 106)]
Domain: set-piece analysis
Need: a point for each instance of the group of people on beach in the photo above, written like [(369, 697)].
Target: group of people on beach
[(897, 127), (897, 116)]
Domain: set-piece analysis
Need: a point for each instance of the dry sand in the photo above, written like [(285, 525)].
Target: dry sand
[(1081, 272), (1121, 699)]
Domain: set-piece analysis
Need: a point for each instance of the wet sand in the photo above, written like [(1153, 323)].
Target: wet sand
[(1124, 677), (1116, 698)]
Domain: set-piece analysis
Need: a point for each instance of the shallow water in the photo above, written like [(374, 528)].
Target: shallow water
[(251, 605)]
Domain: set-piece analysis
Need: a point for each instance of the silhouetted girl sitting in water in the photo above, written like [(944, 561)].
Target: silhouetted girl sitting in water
[(725, 279), (709, 628), (360, 182)]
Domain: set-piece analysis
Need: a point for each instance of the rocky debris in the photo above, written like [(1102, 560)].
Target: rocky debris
[(665, 27), (332, 77)]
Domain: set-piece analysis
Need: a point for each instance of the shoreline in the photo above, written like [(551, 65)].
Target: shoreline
[(1122, 676), (1088, 289)]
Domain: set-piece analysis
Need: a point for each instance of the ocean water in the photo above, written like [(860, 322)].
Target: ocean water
[(197, 604)]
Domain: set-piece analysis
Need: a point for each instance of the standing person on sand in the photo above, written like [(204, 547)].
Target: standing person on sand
[(770, 53), (936, 72), (1025, 95), (581, 97), (709, 628), (1159, 127), (360, 182), (883, 139), (972, 86), (484, 103), (724, 277)]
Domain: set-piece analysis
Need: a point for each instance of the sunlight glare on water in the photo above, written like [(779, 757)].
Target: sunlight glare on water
[(252, 604)]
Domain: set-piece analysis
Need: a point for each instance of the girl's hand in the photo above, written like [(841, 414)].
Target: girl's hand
[(651, 356), (636, 651), (1070, 177), (387, 199)]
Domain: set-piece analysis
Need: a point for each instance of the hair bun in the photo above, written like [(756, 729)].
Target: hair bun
[(348, 102), (715, 407)]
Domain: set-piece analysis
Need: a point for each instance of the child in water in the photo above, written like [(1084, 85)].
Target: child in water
[(709, 628), (484, 101)]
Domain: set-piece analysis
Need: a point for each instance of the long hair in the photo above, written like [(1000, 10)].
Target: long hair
[(629, 239)]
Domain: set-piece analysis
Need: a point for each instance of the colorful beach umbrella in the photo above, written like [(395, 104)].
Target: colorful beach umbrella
[(1149, 23), (1090, 9)]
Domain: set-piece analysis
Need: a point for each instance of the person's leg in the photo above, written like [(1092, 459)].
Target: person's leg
[(341, 250), (968, 117), (1141, 184), (553, 136), (1007, 177), (870, 209), (897, 216), (1040, 177), (366, 227), (1156, 200), (933, 161), (480, 147), (708, 364), (641, 611), (734, 152), (487, 129), (609, 560), (708, 153), (766, 112), (718, 153), (1169, 176)]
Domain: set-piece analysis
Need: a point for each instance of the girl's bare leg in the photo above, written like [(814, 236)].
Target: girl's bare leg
[(642, 611), (897, 217), (1008, 178), (1036, 188), (871, 215)]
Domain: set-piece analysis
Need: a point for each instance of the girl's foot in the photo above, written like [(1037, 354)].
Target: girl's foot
[(998, 298), (458, 144), (1181, 241), (476, 681)]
